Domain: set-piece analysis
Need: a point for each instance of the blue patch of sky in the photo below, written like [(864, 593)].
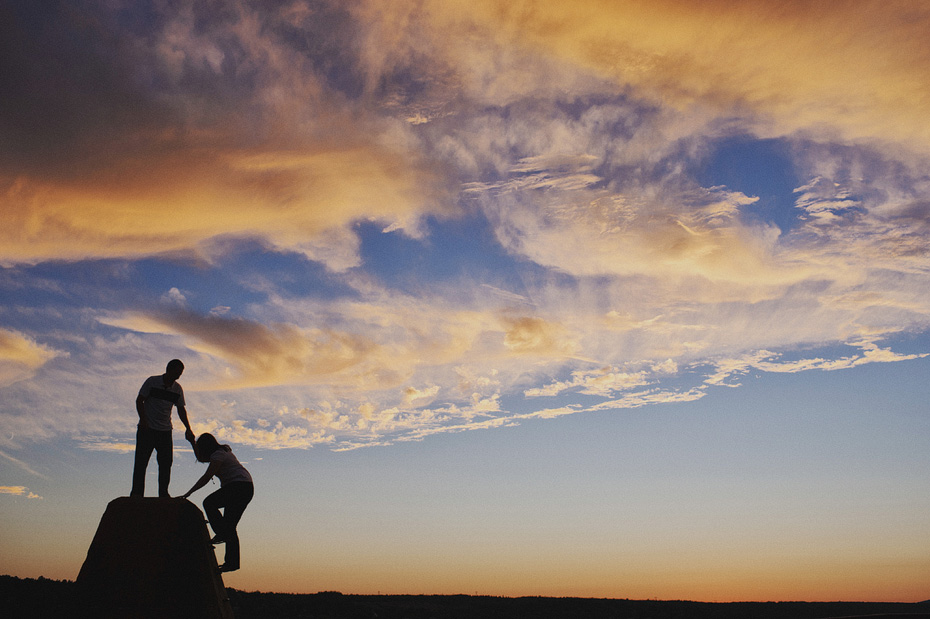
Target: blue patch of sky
[(452, 250), (203, 287), (908, 342), (758, 168), (98, 284), (245, 276), (287, 273)]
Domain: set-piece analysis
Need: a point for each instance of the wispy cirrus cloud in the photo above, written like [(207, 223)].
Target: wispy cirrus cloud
[(605, 381), (767, 361)]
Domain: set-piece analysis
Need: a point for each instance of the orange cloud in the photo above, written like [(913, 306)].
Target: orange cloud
[(19, 491), (861, 69), (202, 133), (262, 355), (533, 335), (299, 199), (21, 356)]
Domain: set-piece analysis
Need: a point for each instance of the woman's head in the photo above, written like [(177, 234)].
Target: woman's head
[(205, 446)]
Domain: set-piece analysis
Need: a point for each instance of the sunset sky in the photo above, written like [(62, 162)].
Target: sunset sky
[(593, 298)]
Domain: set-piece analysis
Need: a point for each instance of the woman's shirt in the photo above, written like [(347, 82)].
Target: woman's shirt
[(230, 469)]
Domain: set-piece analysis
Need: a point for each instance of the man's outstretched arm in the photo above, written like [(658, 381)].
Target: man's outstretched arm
[(189, 434)]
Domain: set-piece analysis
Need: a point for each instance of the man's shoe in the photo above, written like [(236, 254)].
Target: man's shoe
[(226, 567)]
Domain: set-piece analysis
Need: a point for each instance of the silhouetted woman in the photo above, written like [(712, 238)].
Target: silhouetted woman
[(235, 492)]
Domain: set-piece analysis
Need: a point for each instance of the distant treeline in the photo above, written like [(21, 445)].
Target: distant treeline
[(27, 598)]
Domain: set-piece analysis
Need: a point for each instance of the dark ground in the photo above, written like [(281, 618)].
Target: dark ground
[(22, 598)]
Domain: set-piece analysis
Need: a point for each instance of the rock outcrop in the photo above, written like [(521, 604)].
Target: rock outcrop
[(152, 558)]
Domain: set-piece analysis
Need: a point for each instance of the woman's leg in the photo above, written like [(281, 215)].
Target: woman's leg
[(212, 505), (238, 498), (233, 498)]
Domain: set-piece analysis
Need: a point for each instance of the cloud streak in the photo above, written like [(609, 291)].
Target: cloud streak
[(22, 465)]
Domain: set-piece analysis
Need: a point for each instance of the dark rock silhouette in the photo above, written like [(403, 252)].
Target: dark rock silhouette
[(152, 558)]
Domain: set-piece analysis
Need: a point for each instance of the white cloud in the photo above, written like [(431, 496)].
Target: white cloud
[(602, 382), (766, 361), (174, 296)]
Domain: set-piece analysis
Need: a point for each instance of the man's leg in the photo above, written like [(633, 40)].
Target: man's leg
[(145, 443), (165, 455)]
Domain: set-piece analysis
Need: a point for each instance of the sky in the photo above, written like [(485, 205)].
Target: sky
[(597, 298)]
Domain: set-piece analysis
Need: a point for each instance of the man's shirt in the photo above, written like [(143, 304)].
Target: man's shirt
[(159, 400)]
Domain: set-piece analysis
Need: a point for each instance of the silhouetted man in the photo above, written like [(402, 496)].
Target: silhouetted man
[(156, 398)]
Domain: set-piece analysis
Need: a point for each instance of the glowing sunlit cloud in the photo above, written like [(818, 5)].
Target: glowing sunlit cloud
[(529, 334), (379, 343), (869, 79), (108, 446), (654, 230), (420, 396), (279, 436), (19, 491), (302, 206), (21, 356), (261, 355), (278, 158)]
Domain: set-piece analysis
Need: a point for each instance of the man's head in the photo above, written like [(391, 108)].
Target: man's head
[(173, 370)]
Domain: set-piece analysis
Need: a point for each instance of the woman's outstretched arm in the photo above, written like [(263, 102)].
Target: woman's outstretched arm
[(211, 471)]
